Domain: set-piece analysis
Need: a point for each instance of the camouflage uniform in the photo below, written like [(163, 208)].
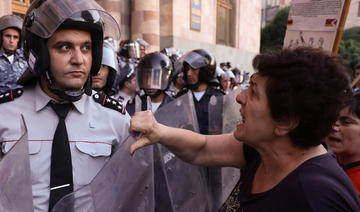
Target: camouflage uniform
[(10, 73)]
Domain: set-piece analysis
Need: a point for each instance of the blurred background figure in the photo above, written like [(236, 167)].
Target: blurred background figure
[(238, 78), (177, 76), (226, 81), (225, 65), (143, 46), (125, 86), (344, 140), (153, 75), (104, 80), (129, 51), (12, 60)]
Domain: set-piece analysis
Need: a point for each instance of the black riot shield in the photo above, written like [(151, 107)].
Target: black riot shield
[(15, 179), (224, 114), (125, 183), (179, 186)]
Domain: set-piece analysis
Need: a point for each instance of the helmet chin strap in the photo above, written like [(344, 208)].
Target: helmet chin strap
[(69, 95), (156, 94), (194, 87), (8, 52)]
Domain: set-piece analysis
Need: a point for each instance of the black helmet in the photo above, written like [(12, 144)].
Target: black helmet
[(10, 21), (154, 71), (44, 18), (203, 60), (126, 72), (109, 58), (130, 49), (239, 75)]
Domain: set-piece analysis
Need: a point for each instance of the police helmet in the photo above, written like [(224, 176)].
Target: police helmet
[(109, 58), (239, 75), (10, 21), (45, 17), (126, 72), (227, 75), (130, 49), (203, 60), (154, 71)]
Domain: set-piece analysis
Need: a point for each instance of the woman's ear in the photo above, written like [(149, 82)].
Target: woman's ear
[(283, 128)]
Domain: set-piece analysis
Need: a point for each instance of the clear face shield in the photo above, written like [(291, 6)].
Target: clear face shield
[(196, 60), (44, 20), (109, 57), (133, 50), (153, 78)]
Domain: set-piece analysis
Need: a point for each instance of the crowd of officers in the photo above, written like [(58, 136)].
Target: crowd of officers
[(128, 72)]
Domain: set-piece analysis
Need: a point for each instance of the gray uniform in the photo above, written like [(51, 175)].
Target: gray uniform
[(93, 132), (10, 72)]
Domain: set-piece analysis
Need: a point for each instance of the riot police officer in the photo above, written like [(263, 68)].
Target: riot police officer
[(199, 68), (143, 46), (153, 75), (71, 130), (129, 51), (12, 60), (125, 86), (105, 78), (226, 80)]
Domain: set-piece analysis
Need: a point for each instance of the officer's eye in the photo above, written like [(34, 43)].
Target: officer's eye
[(64, 47), (86, 47)]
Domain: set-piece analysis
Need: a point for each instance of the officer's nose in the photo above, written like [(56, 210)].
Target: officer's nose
[(77, 56)]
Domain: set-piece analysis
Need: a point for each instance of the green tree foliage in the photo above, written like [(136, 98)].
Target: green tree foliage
[(272, 35), (350, 48)]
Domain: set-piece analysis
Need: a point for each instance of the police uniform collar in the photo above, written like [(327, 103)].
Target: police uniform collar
[(18, 52), (42, 99)]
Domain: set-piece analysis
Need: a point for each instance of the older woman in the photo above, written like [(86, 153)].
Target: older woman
[(344, 139), (290, 106)]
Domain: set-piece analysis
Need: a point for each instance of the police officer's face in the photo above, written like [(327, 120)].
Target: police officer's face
[(151, 92), (99, 81), (226, 83), (10, 39), (192, 75), (70, 58)]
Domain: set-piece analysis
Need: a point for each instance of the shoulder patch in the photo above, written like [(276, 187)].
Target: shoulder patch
[(109, 102), (10, 95)]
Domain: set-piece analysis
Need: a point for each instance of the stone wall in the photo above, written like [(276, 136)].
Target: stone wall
[(5, 7), (353, 18)]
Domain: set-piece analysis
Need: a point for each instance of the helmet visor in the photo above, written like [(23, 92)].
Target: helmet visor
[(44, 20), (196, 60), (134, 50), (153, 78), (109, 57)]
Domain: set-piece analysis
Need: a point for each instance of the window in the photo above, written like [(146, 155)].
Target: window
[(19, 7), (224, 23)]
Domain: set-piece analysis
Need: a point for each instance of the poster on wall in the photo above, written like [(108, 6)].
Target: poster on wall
[(195, 14), (313, 23)]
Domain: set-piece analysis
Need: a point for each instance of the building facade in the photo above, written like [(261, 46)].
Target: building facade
[(271, 7), (228, 28)]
